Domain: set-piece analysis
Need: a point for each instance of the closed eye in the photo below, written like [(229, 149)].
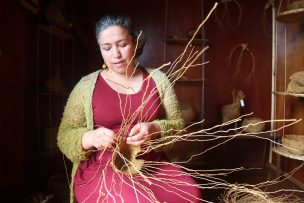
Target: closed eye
[(106, 48), (122, 45)]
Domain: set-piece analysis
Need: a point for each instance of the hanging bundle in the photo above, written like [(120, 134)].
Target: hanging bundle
[(232, 111), (296, 85), (225, 15), (266, 20), (244, 48), (253, 125)]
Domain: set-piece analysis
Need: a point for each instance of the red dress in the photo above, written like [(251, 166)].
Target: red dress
[(95, 179)]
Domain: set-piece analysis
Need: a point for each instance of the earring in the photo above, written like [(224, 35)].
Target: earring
[(104, 66)]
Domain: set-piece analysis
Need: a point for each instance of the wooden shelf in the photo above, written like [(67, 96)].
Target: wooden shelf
[(292, 16), (185, 41), (284, 152), (289, 94)]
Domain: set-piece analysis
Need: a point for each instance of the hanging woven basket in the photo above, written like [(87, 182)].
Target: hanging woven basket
[(232, 111)]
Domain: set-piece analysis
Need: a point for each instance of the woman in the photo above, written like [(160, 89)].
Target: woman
[(126, 104)]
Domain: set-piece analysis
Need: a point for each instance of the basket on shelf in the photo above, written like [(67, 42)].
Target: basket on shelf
[(295, 5), (188, 112), (294, 144), (296, 85), (294, 12)]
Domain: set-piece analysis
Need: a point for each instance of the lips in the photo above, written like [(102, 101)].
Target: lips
[(118, 62)]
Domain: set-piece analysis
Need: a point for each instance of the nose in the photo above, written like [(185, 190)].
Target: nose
[(116, 52)]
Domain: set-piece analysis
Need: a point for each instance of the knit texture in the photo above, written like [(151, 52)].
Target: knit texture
[(78, 118)]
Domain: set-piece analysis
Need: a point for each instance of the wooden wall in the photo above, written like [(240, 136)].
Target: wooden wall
[(221, 78), (255, 30), (17, 86), (23, 169)]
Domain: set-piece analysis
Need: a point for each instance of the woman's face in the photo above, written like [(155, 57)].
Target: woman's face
[(117, 48)]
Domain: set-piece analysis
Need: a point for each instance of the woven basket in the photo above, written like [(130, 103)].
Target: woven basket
[(124, 159), (296, 85), (254, 125), (295, 5), (298, 77), (230, 112), (295, 144)]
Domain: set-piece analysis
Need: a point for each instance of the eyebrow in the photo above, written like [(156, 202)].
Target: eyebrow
[(115, 42)]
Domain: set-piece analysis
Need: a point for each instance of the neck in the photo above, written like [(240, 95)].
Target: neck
[(123, 83)]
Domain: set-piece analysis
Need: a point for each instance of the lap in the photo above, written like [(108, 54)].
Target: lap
[(158, 182)]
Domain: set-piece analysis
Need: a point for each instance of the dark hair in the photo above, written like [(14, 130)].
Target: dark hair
[(125, 23), (110, 20)]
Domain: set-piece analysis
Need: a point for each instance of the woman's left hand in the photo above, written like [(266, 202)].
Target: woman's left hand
[(142, 133)]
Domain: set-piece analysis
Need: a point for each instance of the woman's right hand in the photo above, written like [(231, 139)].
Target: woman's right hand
[(99, 138)]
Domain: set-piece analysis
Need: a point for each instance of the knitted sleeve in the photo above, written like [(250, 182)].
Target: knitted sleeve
[(173, 122), (73, 126)]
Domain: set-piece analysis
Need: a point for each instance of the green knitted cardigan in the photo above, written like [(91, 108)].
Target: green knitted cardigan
[(78, 117)]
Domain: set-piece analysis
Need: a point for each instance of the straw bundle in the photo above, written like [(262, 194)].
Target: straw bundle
[(296, 85), (241, 194), (295, 143), (223, 17), (124, 158), (253, 125), (232, 111)]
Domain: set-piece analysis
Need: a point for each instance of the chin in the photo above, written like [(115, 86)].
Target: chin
[(120, 70)]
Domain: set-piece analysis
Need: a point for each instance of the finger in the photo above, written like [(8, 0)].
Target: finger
[(104, 142), (104, 131), (108, 136), (108, 132), (136, 143), (135, 137), (134, 130)]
